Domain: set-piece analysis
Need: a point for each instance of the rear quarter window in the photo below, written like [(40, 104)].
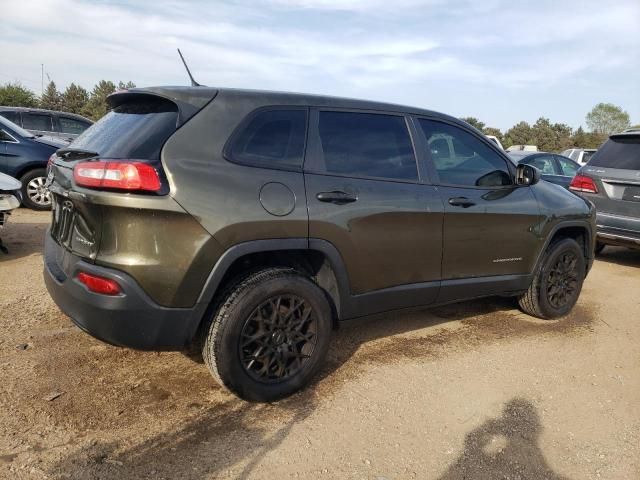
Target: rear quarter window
[(133, 130), (271, 138), (618, 152)]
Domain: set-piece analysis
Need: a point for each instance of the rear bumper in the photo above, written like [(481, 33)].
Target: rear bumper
[(130, 319), (618, 230)]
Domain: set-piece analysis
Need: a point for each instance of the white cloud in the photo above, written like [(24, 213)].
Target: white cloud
[(370, 48)]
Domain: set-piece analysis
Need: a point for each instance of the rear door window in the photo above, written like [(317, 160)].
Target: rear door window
[(568, 168), (134, 130), (621, 152), (37, 121), (365, 145), (470, 163), (272, 139)]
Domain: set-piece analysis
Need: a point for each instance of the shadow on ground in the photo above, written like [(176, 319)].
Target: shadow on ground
[(22, 239), (625, 257), (230, 437), (504, 447)]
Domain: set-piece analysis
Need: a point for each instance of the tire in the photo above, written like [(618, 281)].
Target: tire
[(557, 282), (257, 358), (34, 195), (599, 247)]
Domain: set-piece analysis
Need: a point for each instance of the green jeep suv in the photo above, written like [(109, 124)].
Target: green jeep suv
[(251, 223)]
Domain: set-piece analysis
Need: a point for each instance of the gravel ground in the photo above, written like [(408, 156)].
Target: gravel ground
[(476, 390)]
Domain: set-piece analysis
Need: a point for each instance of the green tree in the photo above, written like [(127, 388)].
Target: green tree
[(15, 95), (607, 118), (519, 134), (474, 122), (97, 105), (51, 98), (74, 99), (126, 86)]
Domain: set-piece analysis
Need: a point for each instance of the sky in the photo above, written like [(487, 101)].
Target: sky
[(501, 61)]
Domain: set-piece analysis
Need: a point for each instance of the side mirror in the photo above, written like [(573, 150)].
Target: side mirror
[(527, 175)]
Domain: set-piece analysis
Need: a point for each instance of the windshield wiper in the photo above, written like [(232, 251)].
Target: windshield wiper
[(72, 153)]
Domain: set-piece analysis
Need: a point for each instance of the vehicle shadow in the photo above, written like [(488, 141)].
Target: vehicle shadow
[(230, 437), (504, 447), (22, 239), (625, 257)]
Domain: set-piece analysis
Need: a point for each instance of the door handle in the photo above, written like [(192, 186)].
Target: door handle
[(338, 198), (463, 202)]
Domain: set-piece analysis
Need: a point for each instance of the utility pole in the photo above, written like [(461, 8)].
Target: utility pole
[(42, 80)]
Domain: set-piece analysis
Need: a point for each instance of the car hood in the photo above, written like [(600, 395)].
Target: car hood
[(51, 141), (8, 183)]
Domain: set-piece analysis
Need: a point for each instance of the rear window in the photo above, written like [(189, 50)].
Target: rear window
[(134, 130), (618, 152)]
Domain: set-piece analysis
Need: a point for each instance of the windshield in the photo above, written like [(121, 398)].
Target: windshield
[(134, 130), (13, 128)]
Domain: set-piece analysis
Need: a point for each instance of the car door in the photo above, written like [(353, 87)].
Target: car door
[(489, 222), (367, 198)]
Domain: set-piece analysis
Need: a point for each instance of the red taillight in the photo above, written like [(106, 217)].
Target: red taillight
[(97, 284), (582, 183), (119, 175)]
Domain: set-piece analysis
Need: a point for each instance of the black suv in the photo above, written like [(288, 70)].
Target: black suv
[(250, 223)]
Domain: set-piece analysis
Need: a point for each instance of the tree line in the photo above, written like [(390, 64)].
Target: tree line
[(74, 98), (603, 120)]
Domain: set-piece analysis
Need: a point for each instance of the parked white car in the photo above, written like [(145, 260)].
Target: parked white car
[(495, 140), (522, 148), (580, 155)]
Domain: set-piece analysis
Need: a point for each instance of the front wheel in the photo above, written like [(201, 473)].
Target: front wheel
[(270, 335), (34, 193), (558, 281)]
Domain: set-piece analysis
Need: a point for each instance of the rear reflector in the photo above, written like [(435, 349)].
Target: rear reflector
[(582, 183), (118, 175), (104, 286)]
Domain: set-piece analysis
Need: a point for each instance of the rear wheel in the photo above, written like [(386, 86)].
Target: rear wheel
[(34, 193), (270, 336), (558, 281)]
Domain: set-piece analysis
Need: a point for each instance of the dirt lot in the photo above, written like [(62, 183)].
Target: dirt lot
[(476, 390)]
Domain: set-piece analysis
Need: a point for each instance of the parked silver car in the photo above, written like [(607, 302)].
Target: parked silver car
[(62, 125), (611, 180)]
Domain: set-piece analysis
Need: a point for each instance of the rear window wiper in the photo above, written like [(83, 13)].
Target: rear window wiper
[(75, 153)]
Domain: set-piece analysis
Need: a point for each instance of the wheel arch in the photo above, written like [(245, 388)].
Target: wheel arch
[(318, 259), (581, 231)]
